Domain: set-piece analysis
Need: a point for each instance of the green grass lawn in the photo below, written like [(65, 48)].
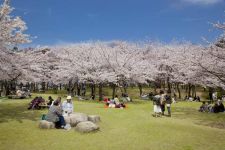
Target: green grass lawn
[(130, 129)]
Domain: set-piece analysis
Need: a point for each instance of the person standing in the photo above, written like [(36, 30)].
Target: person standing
[(168, 103), (162, 102), (156, 106)]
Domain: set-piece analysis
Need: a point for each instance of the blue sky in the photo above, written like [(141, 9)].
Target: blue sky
[(67, 21)]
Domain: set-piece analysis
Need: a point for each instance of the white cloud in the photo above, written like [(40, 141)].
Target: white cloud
[(203, 2)]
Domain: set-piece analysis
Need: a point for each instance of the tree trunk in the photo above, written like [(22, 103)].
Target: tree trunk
[(125, 89), (43, 86), (28, 86), (114, 90), (189, 90), (47, 85), (210, 94), (36, 87), (21, 85), (60, 86), (163, 84), (83, 88), (55, 89), (193, 91), (7, 88), (155, 88), (78, 89), (178, 89), (70, 88), (92, 90), (1, 88), (100, 92), (31, 87), (140, 88), (169, 85)]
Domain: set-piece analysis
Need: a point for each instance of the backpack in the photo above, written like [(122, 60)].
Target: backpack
[(43, 117)]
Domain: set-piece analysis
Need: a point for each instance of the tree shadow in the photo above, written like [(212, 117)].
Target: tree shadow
[(18, 112), (215, 120)]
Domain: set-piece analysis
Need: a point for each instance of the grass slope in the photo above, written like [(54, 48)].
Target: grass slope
[(130, 129)]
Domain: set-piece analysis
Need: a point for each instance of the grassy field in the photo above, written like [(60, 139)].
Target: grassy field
[(130, 129)]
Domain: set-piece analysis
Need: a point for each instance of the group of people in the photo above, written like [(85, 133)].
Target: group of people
[(191, 99), (36, 102), (114, 103), (58, 110), (23, 93), (215, 108), (160, 101)]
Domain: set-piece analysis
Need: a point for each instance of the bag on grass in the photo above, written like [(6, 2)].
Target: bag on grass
[(43, 117)]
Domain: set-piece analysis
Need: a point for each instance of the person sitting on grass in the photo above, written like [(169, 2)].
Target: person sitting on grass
[(117, 102), (209, 107), (19, 93), (126, 98), (67, 106), (112, 103), (55, 115), (221, 106), (50, 101), (203, 107), (93, 97), (122, 105), (59, 99), (36, 102), (107, 101), (215, 108)]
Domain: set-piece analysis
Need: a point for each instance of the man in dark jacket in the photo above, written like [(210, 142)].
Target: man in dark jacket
[(168, 103)]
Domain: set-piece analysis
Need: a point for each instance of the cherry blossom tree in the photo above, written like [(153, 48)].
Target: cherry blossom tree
[(11, 28), (212, 61)]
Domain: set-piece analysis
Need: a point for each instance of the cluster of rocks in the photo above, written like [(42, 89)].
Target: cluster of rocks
[(82, 122)]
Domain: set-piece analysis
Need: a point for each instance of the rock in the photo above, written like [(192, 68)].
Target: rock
[(94, 118), (46, 125), (67, 119), (86, 127), (76, 118)]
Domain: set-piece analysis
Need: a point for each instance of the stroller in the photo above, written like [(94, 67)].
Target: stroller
[(34, 104)]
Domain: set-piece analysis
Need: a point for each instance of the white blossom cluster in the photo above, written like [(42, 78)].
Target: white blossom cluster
[(116, 62)]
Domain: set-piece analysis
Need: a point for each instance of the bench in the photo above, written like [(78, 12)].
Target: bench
[(42, 106)]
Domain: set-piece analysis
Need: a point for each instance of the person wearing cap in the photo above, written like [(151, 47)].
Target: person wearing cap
[(67, 106)]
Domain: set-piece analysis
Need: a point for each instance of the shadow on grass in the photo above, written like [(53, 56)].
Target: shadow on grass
[(215, 120), (18, 112)]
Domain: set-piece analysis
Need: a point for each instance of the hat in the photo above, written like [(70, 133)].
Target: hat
[(69, 97)]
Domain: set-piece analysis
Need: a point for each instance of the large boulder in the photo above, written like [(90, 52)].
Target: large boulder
[(76, 118), (94, 118), (43, 124), (86, 127), (67, 119)]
